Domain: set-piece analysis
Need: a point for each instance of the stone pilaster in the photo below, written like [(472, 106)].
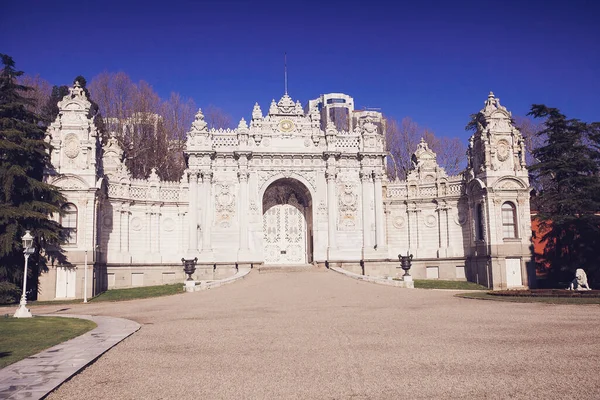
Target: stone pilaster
[(207, 252), (193, 215), (330, 176), (379, 218), (367, 190), (243, 176)]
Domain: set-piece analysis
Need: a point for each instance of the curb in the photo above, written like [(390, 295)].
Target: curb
[(37, 375), (205, 285), (373, 279)]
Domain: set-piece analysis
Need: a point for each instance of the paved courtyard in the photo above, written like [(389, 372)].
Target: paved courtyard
[(321, 335)]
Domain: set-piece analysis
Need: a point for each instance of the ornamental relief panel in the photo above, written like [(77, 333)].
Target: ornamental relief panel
[(348, 219), (224, 205), (71, 146), (309, 176)]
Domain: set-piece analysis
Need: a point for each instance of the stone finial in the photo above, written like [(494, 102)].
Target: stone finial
[(242, 125), (424, 158), (199, 125), (153, 176), (299, 109), (257, 112), (76, 91), (492, 104), (273, 108)]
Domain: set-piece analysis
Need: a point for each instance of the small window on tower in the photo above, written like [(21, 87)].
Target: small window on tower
[(479, 223), (509, 220), (68, 220)]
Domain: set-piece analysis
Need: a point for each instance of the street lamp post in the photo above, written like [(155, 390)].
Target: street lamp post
[(28, 249)]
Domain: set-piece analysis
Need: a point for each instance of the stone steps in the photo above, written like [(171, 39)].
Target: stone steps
[(290, 268)]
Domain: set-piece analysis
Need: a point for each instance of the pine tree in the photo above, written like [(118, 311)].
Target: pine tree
[(26, 202), (569, 201)]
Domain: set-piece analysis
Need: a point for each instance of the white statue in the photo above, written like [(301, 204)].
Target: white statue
[(580, 282)]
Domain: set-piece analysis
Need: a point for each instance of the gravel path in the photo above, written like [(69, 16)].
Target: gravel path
[(311, 335)]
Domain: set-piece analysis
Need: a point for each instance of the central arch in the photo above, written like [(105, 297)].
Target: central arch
[(287, 223)]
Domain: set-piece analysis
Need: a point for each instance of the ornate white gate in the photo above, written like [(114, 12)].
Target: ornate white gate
[(284, 227)]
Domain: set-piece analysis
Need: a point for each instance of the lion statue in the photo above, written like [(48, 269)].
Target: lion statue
[(580, 282)]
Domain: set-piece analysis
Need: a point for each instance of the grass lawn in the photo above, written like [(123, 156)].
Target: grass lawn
[(22, 337), (438, 284), (522, 299), (117, 295), (139, 293)]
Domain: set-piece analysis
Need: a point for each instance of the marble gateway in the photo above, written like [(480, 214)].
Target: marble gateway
[(289, 187)]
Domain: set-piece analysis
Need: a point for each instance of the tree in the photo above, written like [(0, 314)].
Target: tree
[(150, 131), (402, 140), (569, 201), (39, 93), (26, 202), (216, 118)]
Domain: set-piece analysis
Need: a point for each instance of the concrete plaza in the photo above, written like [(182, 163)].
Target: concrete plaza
[(321, 335)]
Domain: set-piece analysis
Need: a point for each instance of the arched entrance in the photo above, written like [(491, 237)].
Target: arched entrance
[(287, 223)]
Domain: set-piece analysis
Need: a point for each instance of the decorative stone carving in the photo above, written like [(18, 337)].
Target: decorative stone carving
[(347, 206), (69, 184), (264, 176), (430, 221), (168, 224), (398, 221), (136, 224), (253, 207), (256, 112), (224, 205), (503, 150), (71, 145)]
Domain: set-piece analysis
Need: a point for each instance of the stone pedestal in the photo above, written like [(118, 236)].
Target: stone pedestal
[(190, 286)]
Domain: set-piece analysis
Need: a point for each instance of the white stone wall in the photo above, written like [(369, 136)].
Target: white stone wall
[(137, 231)]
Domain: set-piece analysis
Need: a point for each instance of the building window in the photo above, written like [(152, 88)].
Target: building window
[(68, 220), (509, 220), (479, 223)]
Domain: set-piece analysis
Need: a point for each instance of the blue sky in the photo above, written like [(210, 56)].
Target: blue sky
[(434, 61)]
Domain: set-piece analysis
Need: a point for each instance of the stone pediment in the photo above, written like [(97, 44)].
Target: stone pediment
[(286, 106), (67, 182), (509, 184)]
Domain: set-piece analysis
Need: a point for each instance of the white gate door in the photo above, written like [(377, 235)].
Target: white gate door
[(65, 282), (513, 272), (284, 232)]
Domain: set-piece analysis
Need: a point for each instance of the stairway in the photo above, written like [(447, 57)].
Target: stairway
[(290, 268)]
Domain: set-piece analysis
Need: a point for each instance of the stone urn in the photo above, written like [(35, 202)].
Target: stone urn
[(405, 263), (189, 267)]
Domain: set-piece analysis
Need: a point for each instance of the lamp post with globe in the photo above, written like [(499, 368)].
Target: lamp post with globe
[(28, 249)]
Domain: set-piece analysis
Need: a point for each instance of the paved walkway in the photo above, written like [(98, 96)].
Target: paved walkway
[(311, 335), (36, 376)]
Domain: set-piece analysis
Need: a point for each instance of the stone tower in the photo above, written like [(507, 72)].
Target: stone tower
[(75, 160), (498, 192)]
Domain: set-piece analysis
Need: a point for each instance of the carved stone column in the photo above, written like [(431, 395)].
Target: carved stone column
[(367, 190), (379, 220), (193, 214), (413, 228), (119, 226), (125, 230), (208, 207), (149, 230), (442, 210), (244, 210), (330, 176)]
